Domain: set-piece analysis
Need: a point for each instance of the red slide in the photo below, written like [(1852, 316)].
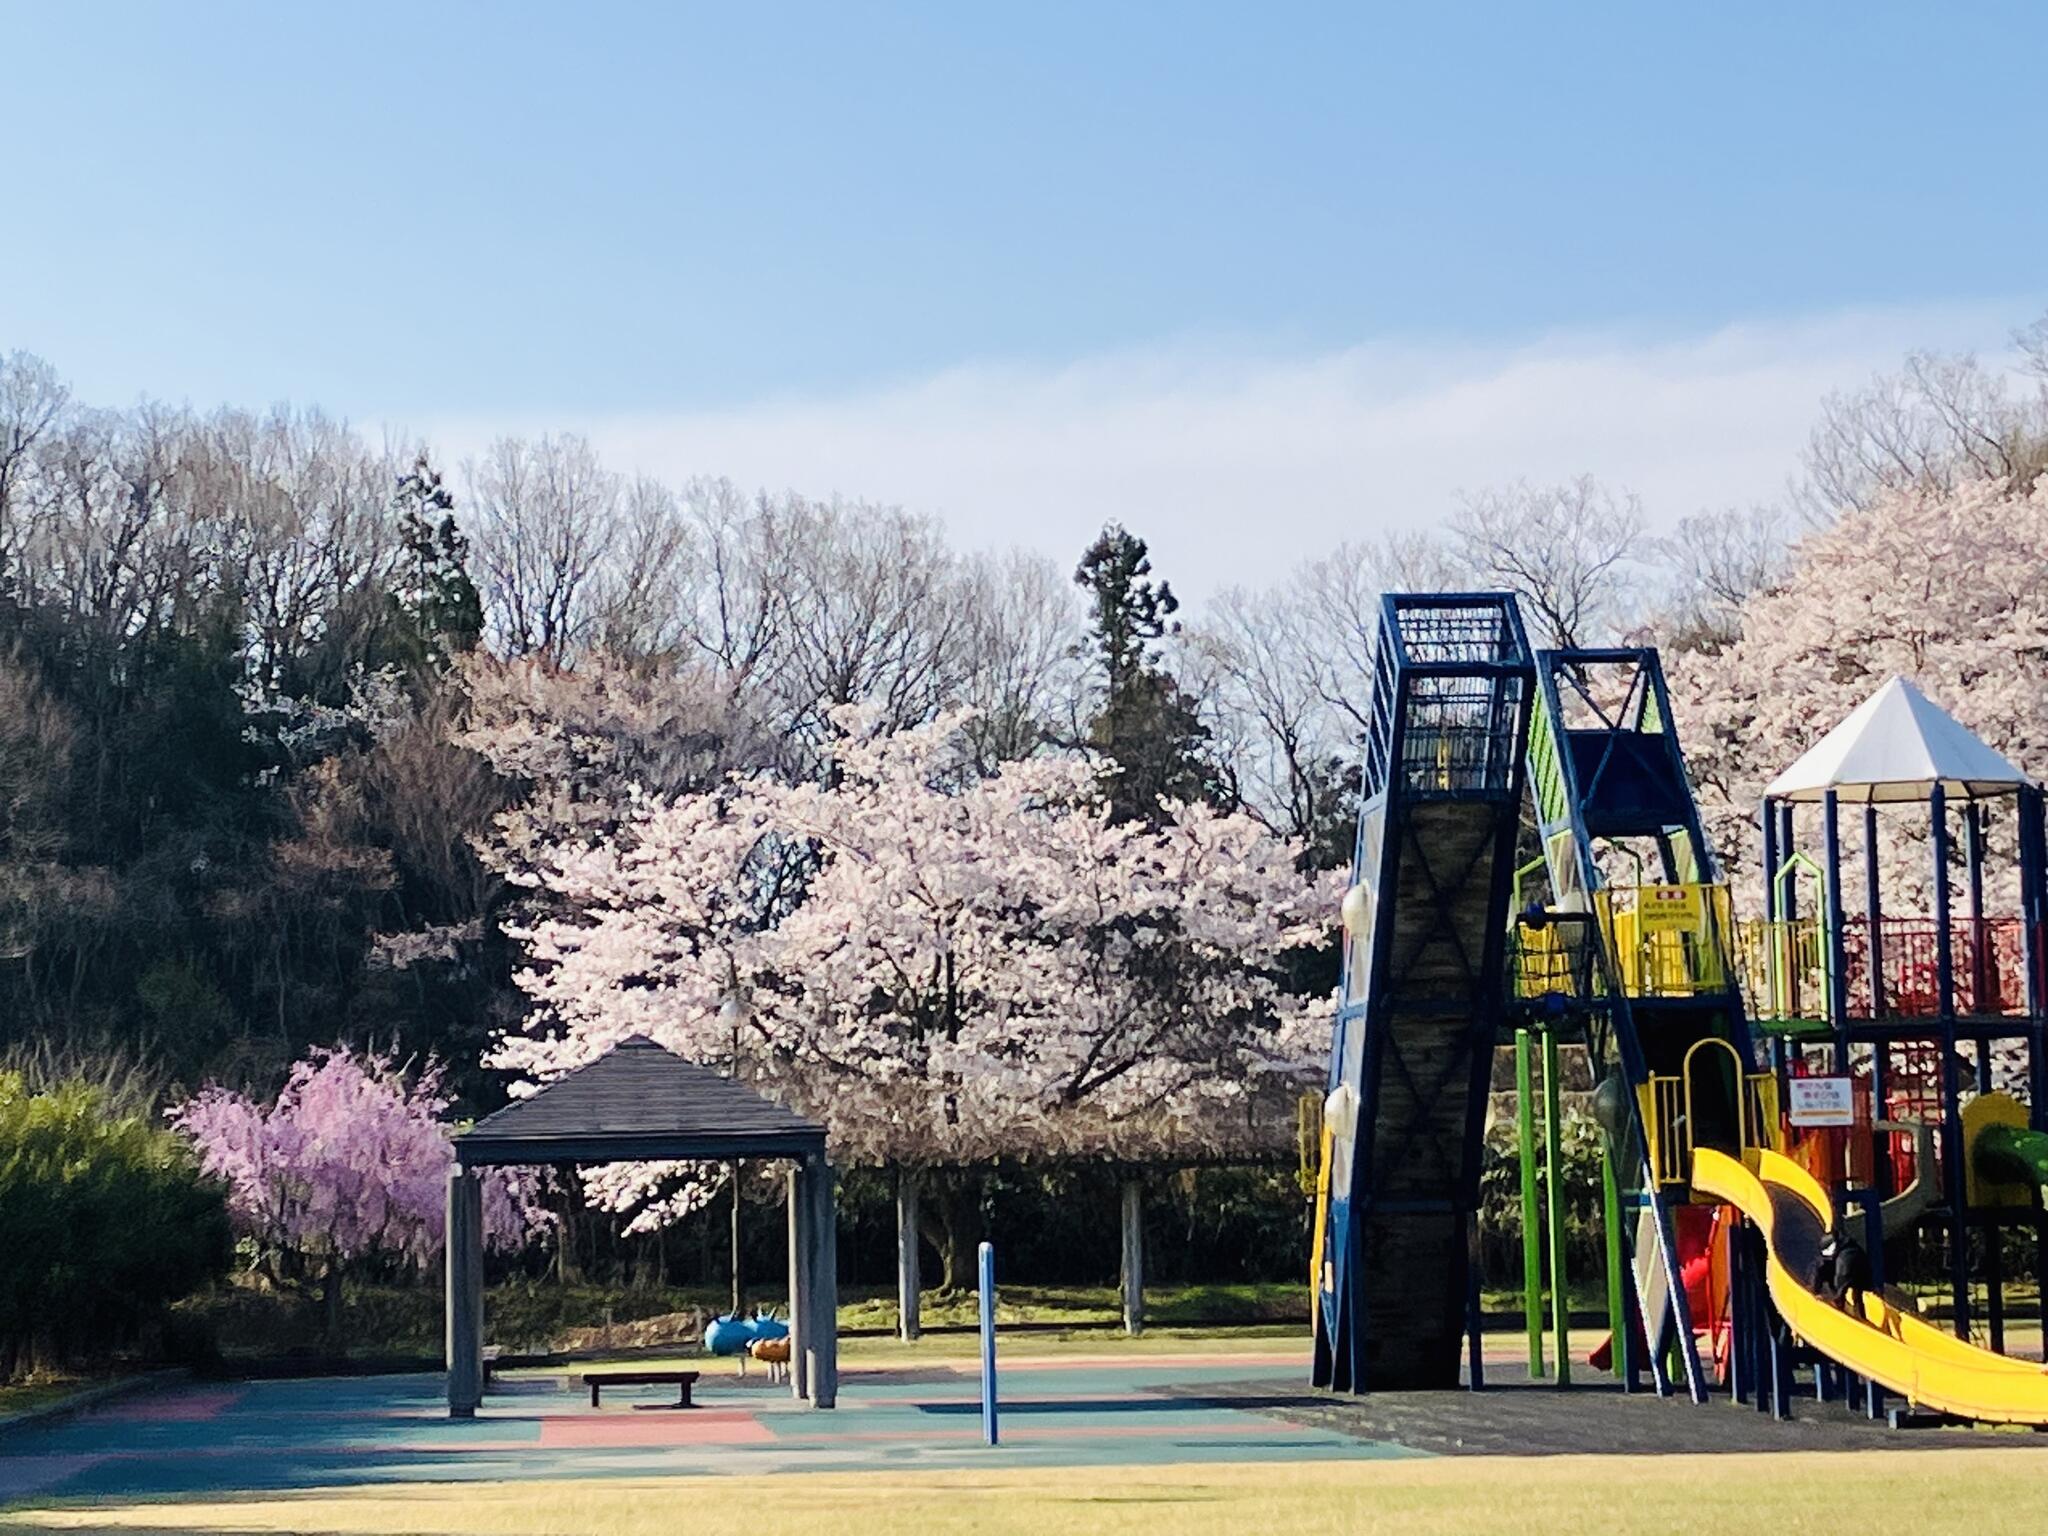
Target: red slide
[(1702, 1269)]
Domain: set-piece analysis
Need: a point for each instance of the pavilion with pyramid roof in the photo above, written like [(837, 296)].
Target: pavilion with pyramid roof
[(1898, 745), (639, 1102)]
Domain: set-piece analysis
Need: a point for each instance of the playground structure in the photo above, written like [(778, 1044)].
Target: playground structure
[(1763, 1086)]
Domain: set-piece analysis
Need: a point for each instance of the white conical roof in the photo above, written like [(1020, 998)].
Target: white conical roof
[(1897, 745)]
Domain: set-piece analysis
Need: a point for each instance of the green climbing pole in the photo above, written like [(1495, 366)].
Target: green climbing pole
[(1537, 1232), (1553, 1191), (1532, 1233), (1617, 1267)]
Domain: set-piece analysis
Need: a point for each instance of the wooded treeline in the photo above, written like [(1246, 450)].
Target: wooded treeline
[(286, 714)]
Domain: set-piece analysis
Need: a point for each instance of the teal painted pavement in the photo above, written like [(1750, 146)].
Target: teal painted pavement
[(225, 1438)]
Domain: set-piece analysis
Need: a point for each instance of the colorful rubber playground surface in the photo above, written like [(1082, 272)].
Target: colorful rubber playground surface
[(222, 1438), (207, 1439)]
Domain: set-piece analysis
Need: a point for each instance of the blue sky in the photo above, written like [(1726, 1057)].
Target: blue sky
[(717, 237)]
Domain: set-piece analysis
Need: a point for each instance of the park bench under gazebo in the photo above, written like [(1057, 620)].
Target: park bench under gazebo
[(641, 1103)]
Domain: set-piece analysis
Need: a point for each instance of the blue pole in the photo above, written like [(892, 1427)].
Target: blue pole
[(1952, 1149), (1769, 817), (1838, 997), (988, 1343), (1873, 909)]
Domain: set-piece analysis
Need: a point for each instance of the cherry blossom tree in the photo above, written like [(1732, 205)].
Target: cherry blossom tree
[(349, 1163), (942, 966), (1948, 586)]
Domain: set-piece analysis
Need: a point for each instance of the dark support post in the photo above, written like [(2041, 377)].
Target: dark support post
[(813, 1284), (1880, 1050), (1769, 817), (823, 1347), (1759, 1320), (2033, 932), (732, 1172), (909, 1283), (1944, 937), (1982, 1002), (1778, 1348), (799, 1284), (1873, 1247), (1134, 1256), (1532, 1230), (1973, 855), (1994, 1283), (1838, 998), (1952, 1150), (1789, 904), (1780, 986), (1880, 1109), (1788, 913), (1873, 906), (1475, 1320), (1617, 1268), (465, 1299), (1632, 1322), (1553, 1190), (1742, 1348), (2040, 1222)]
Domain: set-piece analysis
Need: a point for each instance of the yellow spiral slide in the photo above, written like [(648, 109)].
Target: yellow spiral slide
[(1887, 1344)]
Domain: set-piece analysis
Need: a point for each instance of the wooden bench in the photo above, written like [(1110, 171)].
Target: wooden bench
[(597, 1381)]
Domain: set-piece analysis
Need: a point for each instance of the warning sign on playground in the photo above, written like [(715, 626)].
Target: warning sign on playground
[(1820, 1101), (1668, 908)]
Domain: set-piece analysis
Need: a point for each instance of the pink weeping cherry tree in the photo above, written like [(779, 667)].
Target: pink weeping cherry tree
[(348, 1166)]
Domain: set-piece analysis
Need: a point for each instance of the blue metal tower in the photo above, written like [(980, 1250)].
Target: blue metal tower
[(1423, 991)]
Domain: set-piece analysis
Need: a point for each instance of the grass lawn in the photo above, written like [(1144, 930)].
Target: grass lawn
[(1273, 1338), (384, 1321), (1987, 1492), (1082, 1305), (20, 1396)]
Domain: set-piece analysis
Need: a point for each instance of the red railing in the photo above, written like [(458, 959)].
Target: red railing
[(1913, 1092), (1987, 960)]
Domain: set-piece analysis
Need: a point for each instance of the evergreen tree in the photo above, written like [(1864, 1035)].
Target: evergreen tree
[(1147, 726), (441, 610)]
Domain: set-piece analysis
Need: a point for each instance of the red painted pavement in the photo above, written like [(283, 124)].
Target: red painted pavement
[(635, 1427)]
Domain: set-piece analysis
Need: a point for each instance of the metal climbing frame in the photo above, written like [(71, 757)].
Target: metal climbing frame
[(1610, 782)]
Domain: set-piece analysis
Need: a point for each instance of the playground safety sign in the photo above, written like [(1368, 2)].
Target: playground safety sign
[(1669, 909), (1822, 1101)]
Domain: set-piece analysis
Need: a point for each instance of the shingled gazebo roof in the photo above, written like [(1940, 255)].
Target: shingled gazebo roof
[(639, 1103)]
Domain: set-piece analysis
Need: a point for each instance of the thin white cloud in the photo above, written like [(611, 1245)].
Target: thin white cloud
[(1236, 466)]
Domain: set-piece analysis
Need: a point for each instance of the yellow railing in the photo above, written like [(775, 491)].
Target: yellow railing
[(1671, 1113), (1783, 967), (1310, 1149), (1554, 957), (1664, 1127), (1667, 940)]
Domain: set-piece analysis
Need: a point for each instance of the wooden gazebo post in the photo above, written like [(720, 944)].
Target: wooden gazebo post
[(465, 1299)]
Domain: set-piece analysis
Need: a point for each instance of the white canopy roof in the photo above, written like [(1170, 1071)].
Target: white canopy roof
[(1897, 745)]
